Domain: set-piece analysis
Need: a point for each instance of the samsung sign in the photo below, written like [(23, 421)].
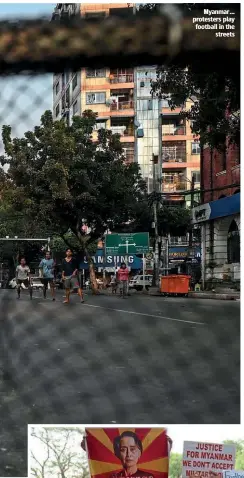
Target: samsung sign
[(100, 260), (215, 209)]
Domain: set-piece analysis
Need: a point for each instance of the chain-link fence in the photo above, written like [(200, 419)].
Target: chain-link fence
[(145, 359)]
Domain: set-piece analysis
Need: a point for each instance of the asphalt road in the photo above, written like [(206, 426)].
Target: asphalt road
[(113, 360)]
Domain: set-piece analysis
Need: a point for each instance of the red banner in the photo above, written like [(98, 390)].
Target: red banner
[(127, 452)]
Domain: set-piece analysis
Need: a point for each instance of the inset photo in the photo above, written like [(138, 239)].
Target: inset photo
[(177, 451)]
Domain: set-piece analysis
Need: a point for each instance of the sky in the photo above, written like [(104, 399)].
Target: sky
[(24, 99)]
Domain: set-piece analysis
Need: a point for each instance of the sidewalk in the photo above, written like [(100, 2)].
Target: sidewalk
[(154, 292), (202, 295)]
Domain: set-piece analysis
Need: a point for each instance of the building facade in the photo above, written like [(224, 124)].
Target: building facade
[(219, 217), (123, 102)]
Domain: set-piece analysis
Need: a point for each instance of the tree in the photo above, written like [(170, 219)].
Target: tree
[(57, 455), (64, 179), (214, 90), (14, 223), (239, 465), (175, 465), (215, 97)]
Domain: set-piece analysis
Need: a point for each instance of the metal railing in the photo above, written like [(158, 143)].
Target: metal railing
[(173, 131), (123, 105), (122, 130), (126, 78), (172, 159), (171, 187)]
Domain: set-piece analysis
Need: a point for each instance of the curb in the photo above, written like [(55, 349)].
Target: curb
[(193, 295)]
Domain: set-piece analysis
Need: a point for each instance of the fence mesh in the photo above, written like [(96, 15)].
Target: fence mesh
[(140, 360)]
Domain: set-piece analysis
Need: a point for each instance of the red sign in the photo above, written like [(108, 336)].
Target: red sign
[(127, 452)]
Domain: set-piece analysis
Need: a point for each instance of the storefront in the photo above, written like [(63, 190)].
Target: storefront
[(220, 221)]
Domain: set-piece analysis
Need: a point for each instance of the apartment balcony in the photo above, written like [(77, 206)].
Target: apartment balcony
[(173, 131), (122, 108), (122, 79), (174, 187), (174, 153), (123, 105), (126, 134)]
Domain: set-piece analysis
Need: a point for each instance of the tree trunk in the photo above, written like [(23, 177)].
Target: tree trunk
[(92, 275)]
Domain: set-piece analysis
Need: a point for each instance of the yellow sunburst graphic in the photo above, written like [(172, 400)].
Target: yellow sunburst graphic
[(102, 459)]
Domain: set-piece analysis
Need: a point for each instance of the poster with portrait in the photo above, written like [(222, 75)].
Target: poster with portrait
[(127, 452)]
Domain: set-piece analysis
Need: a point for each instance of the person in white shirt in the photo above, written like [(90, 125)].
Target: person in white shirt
[(23, 276)]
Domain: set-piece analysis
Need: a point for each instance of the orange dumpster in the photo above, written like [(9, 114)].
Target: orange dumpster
[(175, 285)]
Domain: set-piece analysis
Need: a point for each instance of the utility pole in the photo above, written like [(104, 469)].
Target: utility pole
[(155, 220), (192, 206)]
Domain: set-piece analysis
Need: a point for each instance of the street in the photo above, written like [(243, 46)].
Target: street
[(113, 360)]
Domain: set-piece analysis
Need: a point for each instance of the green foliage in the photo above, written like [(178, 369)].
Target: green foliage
[(174, 220), (239, 465), (214, 89), (213, 95), (175, 465), (62, 178), (58, 178)]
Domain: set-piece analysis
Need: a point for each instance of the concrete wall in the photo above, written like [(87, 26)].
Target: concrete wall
[(222, 270)]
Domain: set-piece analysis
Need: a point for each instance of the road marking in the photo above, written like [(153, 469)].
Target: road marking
[(145, 315), (131, 312)]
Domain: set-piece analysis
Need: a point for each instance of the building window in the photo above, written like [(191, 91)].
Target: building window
[(66, 77), (67, 98), (57, 110), (233, 244), (100, 125), (74, 82), (195, 148), (196, 176), (63, 80), (96, 73), (95, 98), (57, 87), (75, 107)]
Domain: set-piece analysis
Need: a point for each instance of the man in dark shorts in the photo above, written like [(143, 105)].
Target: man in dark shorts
[(23, 277), (47, 266), (69, 276)]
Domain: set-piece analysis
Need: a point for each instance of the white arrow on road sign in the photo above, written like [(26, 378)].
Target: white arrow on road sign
[(126, 244)]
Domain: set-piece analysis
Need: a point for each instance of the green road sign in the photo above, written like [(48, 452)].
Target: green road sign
[(137, 243)]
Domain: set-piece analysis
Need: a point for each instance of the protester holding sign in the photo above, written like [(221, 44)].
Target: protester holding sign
[(120, 453)]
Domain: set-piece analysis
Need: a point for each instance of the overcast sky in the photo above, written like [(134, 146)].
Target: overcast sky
[(24, 99)]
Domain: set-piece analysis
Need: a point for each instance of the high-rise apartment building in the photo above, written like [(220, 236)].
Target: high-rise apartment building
[(123, 103)]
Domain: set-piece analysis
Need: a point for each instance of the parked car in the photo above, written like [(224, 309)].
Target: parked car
[(137, 282)]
